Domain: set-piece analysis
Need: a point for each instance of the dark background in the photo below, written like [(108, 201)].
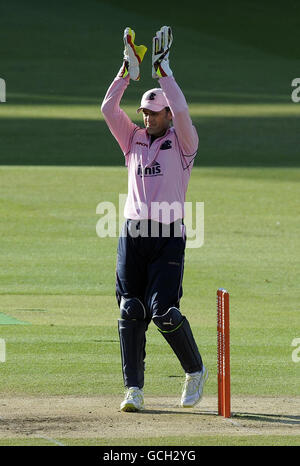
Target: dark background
[(66, 53)]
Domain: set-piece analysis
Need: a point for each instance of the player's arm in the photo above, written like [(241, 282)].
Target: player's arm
[(117, 120), (186, 132)]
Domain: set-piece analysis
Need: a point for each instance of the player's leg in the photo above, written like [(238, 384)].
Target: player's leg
[(177, 331), (133, 322), (164, 290), (164, 293), (132, 332), (132, 327)]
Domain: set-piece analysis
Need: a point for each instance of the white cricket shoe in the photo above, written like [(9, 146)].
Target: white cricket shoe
[(193, 388), (133, 401)]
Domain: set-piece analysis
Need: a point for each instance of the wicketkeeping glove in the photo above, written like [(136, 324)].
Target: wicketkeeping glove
[(161, 44), (133, 56)]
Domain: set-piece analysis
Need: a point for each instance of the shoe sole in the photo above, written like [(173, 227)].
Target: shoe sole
[(200, 398), (130, 408)]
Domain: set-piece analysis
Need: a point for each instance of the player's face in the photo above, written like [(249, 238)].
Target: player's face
[(157, 123)]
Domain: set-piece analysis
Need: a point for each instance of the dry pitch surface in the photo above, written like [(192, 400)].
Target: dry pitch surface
[(55, 417)]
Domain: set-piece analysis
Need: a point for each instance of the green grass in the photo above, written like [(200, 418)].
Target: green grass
[(252, 24), (58, 276), (58, 161), (237, 83), (200, 441)]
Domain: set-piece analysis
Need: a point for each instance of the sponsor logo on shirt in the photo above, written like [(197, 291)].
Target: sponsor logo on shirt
[(152, 170), (142, 144)]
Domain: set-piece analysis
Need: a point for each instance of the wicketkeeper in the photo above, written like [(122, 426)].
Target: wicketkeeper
[(151, 246)]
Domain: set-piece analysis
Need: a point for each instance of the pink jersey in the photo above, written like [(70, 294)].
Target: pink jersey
[(158, 174)]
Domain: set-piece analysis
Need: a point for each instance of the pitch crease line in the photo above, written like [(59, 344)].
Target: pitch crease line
[(56, 442)]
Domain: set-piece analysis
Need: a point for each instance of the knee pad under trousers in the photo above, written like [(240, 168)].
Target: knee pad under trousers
[(132, 309)]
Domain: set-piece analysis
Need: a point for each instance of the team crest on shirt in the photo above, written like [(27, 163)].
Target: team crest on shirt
[(166, 145), (152, 170)]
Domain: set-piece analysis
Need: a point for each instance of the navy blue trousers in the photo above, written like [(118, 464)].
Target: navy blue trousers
[(151, 268)]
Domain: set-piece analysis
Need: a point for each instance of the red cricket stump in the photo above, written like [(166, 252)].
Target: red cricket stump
[(223, 353)]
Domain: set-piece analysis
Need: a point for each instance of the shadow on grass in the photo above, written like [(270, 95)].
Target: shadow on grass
[(272, 418), (286, 419), (224, 141)]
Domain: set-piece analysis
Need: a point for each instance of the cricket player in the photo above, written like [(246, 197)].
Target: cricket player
[(151, 247)]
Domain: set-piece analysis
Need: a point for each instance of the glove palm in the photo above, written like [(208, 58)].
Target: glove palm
[(161, 44), (133, 56)]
